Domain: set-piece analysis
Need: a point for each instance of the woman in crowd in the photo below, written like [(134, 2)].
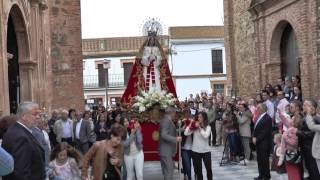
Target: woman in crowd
[(72, 115), (289, 144), (244, 117), (102, 126), (231, 125), (186, 145), (305, 136), (133, 153), (65, 163), (297, 96), (312, 120), (106, 156), (200, 146)]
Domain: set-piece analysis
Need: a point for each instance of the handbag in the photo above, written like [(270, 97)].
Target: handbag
[(293, 157)]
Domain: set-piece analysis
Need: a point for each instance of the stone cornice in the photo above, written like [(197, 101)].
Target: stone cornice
[(260, 8), (43, 4)]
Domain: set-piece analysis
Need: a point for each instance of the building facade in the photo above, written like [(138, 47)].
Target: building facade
[(271, 39), (197, 60), (37, 61), (108, 63)]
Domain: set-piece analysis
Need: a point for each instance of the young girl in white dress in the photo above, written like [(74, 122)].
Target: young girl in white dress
[(64, 163)]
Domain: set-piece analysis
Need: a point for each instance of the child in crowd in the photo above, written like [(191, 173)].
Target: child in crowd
[(64, 163), (281, 170)]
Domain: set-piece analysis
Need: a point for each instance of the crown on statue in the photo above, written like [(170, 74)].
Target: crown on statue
[(152, 28)]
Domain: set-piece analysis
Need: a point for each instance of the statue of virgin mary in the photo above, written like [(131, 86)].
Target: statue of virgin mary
[(150, 71)]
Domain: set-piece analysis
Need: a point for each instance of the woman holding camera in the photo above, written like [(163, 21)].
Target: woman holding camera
[(244, 117), (133, 153), (231, 126), (201, 151)]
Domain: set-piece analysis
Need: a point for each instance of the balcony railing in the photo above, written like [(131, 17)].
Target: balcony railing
[(92, 81)]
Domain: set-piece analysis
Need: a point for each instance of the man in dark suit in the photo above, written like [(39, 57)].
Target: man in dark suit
[(83, 133), (262, 137), (19, 142), (168, 143)]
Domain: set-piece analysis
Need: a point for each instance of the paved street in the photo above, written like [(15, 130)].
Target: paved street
[(152, 170)]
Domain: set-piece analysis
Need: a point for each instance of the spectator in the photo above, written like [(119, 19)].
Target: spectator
[(310, 109), (244, 117), (38, 134), (296, 81), (63, 128), (282, 104), (6, 162), (82, 133), (52, 136), (305, 137), (20, 143), (281, 170), (64, 163), (262, 140), (106, 156), (288, 88), (269, 104), (230, 125), (191, 98), (297, 96), (5, 123), (219, 129), (133, 152), (211, 113), (289, 144), (102, 127), (186, 145), (72, 115), (200, 146)]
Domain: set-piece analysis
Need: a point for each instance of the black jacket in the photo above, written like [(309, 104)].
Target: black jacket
[(263, 132), (27, 153)]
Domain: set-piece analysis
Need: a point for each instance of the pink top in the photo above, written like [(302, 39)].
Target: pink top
[(290, 140)]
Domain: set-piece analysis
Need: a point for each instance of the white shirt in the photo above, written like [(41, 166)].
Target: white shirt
[(24, 126), (270, 107), (66, 129), (260, 117), (200, 139), (78, 126)]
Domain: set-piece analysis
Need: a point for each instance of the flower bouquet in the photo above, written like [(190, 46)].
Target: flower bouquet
[(149, 105), (147, 100)]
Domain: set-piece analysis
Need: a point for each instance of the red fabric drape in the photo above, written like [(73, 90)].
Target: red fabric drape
[(136, 82)]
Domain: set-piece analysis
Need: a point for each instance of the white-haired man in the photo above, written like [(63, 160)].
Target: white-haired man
[(20, 143), (63, 128)]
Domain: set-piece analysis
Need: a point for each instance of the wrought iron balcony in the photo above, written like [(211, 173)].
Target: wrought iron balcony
[(92, 81)]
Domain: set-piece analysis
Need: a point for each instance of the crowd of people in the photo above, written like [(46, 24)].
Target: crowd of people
[(108, 145), (276, 120)]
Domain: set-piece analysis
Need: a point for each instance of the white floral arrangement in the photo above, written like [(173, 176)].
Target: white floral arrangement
[(147, 99)]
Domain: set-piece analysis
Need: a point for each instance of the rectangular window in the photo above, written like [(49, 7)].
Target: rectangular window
[(218, 88), (217, 64)]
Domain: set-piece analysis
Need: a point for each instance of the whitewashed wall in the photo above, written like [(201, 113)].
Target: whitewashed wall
[(192, 58)]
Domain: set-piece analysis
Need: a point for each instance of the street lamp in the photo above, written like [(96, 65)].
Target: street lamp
[(106, 66)]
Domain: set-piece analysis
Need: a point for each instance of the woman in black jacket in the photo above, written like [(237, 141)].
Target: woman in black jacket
[(102, 127)]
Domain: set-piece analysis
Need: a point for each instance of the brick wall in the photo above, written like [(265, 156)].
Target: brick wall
[(253, 38), (66, 54)]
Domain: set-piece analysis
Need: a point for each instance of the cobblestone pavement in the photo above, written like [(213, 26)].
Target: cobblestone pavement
[(152, 170)]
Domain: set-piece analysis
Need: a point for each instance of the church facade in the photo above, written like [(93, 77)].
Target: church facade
[(41, 55), (271, 39)]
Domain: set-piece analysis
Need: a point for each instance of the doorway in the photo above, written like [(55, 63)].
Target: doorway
[(13, 67), (289, 53)]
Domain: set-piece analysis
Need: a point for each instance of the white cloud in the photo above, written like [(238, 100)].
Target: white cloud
[(114, 18)]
